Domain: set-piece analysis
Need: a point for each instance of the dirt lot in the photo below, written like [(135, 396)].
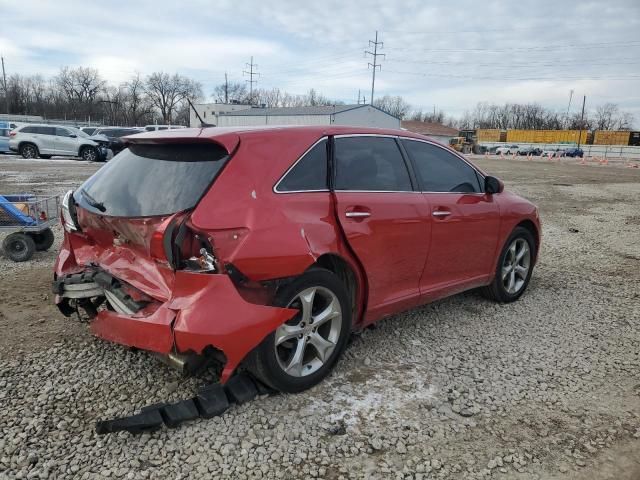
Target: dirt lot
[(545, 388)]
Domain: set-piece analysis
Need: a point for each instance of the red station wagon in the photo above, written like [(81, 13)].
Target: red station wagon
[(267, 247)]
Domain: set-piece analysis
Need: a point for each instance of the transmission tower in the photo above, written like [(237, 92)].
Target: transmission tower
[(375, 65), (251, 73)]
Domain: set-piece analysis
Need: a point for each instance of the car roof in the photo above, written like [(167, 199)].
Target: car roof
[(229, 137)]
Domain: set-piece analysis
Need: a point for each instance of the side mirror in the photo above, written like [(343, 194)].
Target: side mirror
[(493, 185)]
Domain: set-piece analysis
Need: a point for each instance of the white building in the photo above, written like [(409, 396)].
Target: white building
[(210, 111), (243, 115)]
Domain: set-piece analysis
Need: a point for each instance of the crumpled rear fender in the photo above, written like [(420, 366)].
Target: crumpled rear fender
[(210, 311)]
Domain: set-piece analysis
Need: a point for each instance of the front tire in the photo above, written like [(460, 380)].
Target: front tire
[(19, 247), (514, 268), (89, 154), (302, 352)]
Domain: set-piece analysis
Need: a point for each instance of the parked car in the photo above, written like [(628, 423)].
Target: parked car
[(573, 152), (507, 150), (530, 151), (89, 130), (153, 128), (552, 152), (113, 137), (4, 137), (268, 246), (44, 141)]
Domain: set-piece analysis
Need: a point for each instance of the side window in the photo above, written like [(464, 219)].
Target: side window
[(4, 133), (439, 170), (310, 173), (28, 130), (46, 130), (370, 163), (62, 132)]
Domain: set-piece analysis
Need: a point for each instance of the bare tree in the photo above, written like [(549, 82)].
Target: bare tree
[(166, 92), (235, 92), (395, 106)]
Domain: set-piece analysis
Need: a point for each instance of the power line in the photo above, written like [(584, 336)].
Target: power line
[(633, 43), (251, 81), (554, 77), (375, 63)]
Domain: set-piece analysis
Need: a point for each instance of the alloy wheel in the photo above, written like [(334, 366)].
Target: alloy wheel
[(515, 267), (28, 152), (89, 155), (305, 343)]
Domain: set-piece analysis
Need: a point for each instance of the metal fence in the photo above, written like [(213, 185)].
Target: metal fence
[(605, 151)]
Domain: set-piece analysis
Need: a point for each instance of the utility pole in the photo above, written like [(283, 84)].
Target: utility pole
[(375, 63), (584, 100), (226, 88), (251, 81), (569, 106), (6, 90), (358, 96)]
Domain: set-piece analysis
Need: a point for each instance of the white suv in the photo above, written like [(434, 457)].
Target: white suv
[(44, 141)]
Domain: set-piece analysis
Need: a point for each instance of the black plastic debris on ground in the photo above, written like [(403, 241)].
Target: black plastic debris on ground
[(210, 401)]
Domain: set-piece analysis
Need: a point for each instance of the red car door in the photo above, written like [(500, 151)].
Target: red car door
[(384, 220), (465, 220)]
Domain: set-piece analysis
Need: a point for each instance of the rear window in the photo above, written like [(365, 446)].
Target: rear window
[(152, 180)]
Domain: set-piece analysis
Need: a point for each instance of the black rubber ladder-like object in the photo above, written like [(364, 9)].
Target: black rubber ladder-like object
[(210, 401)]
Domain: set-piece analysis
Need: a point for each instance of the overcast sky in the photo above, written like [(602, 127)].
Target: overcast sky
[(448, 54)]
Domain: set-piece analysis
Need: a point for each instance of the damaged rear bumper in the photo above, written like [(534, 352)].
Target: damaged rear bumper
[(205, 310)]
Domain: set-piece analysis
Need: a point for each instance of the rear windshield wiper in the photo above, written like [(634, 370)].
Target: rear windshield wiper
[(92, 201)]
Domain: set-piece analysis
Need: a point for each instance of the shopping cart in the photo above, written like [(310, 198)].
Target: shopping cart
[(28, 219)]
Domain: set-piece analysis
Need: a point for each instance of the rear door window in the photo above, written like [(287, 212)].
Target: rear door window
[(45, 130), (309, 173), (369, 163), (152, 180), (63, 132), (439, 170)]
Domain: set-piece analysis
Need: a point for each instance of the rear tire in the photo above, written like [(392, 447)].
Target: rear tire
[(43, 240), (514, 268), (29, 150), (302, 352), (19, 247)]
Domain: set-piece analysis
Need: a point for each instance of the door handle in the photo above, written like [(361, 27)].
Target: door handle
[(357, 214), (441, 213)]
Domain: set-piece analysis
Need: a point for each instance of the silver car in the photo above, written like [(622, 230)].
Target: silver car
[(45, 141)]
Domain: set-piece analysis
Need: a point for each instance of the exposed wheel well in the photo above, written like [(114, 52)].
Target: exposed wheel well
[(22, 144), (529, 225), (339, 266), (84, 147)]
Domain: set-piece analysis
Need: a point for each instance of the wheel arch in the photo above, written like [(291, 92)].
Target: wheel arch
[(84, 146), (27, 142), (352, 278), (533, 229)]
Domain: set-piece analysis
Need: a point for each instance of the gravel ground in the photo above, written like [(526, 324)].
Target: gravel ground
[(545, 388)]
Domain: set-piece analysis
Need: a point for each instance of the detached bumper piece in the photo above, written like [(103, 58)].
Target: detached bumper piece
[(210, 401)]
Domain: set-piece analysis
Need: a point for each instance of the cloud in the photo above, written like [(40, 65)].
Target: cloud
[(529, 51)]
